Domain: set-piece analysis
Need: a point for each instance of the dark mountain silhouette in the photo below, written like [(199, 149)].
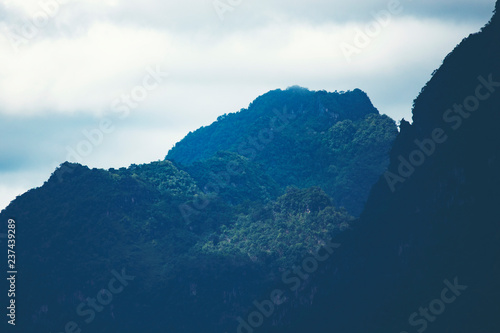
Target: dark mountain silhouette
[(424, 257)]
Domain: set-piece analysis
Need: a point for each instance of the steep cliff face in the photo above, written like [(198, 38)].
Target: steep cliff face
[(425, 255)]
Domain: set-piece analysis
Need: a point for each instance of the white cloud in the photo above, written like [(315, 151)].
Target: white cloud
[(85, 73)]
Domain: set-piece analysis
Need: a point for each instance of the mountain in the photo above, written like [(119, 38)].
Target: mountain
[(241, 227), (145, 248), (302, 138), (424, 255), (278, 111)]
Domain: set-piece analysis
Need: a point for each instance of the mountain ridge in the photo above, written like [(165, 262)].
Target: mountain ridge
[(296, 100)]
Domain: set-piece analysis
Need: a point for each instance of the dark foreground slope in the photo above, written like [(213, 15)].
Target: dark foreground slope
[(425, 255)]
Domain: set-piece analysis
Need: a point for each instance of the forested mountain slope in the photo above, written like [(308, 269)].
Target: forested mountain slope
[(204, 238), (425, 254), (337, 141)]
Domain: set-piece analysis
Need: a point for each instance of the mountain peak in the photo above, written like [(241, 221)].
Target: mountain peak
[(279, 128), (316, 111)]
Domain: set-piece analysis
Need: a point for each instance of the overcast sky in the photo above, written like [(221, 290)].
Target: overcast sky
[(137, 76)]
